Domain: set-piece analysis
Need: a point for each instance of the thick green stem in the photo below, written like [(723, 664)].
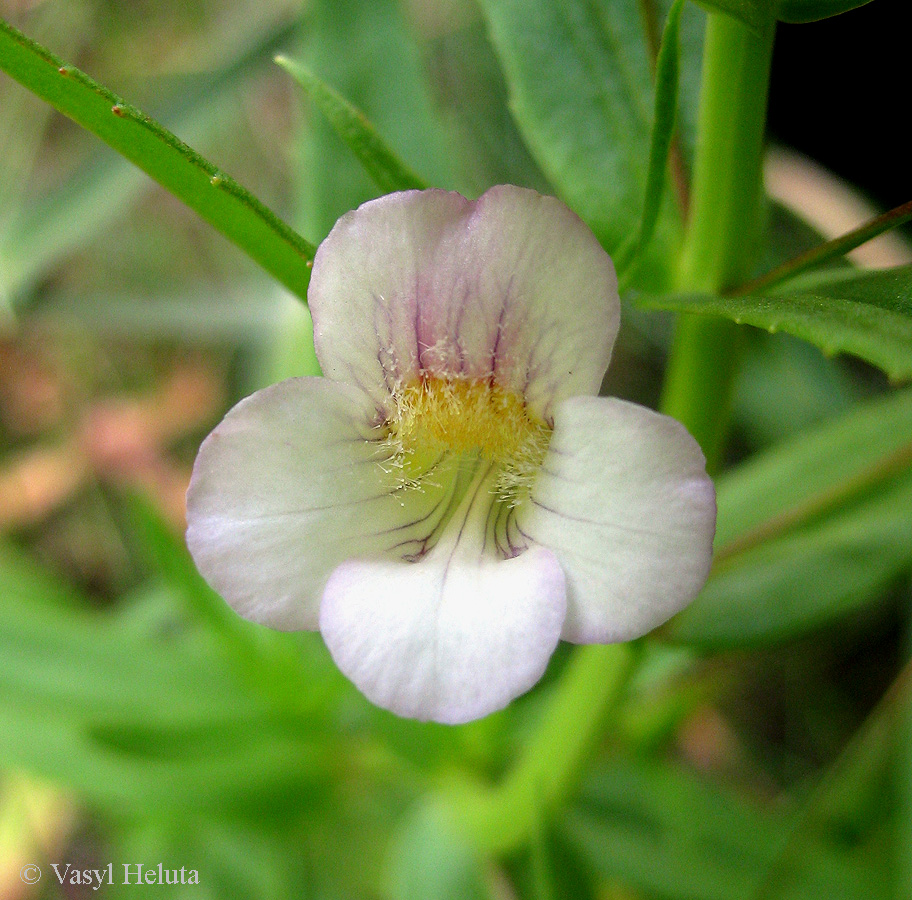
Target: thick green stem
[(503, 818), (722, 233)]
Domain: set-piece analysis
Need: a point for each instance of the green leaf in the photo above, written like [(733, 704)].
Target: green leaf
[(23, 581), (809, 530), (23, 126), (380, 162), (868, 314), (581, 90), (106, 709), (902, 773), (228, 314), (487, 146), (168, 556), (663, 831), (430, 859), (216, 197), (50, 227), (812, 10), (785, 386), (666, 104), (553, 869), (368, 54), (235, 860), (850, 807), (758, 15), (270, 662), (801, 476), (800, 581)]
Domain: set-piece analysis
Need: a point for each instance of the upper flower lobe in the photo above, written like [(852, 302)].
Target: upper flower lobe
[(452, 498)]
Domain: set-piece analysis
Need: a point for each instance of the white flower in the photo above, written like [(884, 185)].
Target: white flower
[(452, 498)]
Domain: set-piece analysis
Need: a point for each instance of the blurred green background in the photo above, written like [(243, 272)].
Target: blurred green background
[(142, 722)]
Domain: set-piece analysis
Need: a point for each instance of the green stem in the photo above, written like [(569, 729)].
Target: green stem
[(503, 818), (722, 234)]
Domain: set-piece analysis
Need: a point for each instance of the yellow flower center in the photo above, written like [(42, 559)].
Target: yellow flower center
[(436, 415)]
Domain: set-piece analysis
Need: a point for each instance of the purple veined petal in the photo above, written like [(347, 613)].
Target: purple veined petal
[(624, 501), (293, 481), (513, 287), (455, 636)]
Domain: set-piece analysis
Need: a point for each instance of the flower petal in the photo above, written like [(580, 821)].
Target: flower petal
[(512, 285), (624, 501), (453, 637), (290, 484)]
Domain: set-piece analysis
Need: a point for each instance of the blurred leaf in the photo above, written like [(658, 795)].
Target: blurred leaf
[(804, 474), (252, 767), (758, 15), (216, 197), (809, 529), (24, 118), (553, 869), (271, 663), (812, 10), (902, 771), (287, 349), (431, 860), (227, 313), (169, 557), (487, 146), (785, 386), (865, 313), (787, 586), (109, 711), (368, 55), (581, 91), (541, 872), (234, 861), (850, 808), (388, 172), (668, 833), (50, 227), (24, 582)]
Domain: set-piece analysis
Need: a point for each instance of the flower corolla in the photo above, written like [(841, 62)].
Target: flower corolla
[(452, 498)]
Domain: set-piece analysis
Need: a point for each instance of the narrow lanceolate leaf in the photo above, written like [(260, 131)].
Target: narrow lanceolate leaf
[(868, 314), (48, 228), (213, 195), (388, 172), (820, 254), (663, 123), (812, 10), (581, 90), (809, 530)]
